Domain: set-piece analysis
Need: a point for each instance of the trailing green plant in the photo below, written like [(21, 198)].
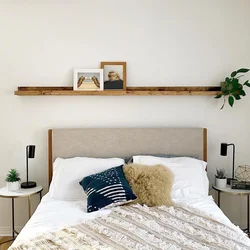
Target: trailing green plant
[(232, 88), (221, 174), (13, 176)]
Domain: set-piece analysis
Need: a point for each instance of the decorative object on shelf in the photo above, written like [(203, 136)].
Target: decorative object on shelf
[(114, 74), (242, 173), (223, 152), (30, 153), (13, 180), (232, 87), (220, 178), (88, 79)]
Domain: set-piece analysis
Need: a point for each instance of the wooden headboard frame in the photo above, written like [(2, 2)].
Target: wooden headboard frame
[(125, 142)]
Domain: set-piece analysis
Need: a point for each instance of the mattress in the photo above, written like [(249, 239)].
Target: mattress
[(52, 215)]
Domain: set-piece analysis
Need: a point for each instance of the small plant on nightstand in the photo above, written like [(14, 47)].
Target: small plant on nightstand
[(220, 178), (13, 180)]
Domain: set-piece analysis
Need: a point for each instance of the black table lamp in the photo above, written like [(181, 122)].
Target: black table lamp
[(30, 153), (223, 152)]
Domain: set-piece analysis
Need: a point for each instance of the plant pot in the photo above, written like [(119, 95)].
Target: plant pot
[(13, 186), (220, 183)]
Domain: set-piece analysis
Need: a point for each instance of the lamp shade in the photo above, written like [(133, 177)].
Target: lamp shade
[(223, 149), (31, 151)]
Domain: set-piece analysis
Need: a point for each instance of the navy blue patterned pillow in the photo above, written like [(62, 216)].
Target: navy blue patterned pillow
[(107, 188)]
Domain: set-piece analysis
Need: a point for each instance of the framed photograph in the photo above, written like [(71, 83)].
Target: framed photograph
[(114, 75), (88, 79)]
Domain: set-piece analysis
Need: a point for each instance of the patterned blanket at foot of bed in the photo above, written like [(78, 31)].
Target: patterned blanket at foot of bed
[(141, 227)]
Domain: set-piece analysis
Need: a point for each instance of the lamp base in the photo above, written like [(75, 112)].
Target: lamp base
[(30, 184), (229, 180)]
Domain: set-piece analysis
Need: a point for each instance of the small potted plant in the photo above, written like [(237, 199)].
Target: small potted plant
[(13, 180), (220, 178)]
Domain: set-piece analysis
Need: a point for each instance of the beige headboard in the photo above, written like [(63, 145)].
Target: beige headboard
[(125, 142)]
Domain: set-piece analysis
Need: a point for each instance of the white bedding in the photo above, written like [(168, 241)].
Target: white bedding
[(52, 215)]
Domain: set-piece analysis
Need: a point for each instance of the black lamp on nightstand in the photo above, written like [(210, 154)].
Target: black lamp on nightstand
[(223, 152), (30, 153)]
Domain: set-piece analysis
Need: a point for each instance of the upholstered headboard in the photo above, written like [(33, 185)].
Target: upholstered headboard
[(125, 142)]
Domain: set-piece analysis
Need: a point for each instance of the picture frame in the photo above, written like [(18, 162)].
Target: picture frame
[(88, 79), (114, 75)]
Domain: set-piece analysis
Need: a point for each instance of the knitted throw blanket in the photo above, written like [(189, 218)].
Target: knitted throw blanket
[(141, 227)]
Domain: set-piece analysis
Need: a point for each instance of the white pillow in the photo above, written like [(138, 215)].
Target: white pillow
[(67, 173), (190, 177)]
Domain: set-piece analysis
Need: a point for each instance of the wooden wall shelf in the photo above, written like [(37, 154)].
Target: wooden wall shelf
[(142, 91)]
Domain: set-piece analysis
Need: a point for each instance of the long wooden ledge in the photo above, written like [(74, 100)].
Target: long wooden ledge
[(141, 91)]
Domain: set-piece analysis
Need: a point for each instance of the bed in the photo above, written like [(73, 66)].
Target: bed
[(54, 214)]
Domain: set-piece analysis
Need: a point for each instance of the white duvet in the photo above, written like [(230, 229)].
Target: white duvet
[(51, 215)]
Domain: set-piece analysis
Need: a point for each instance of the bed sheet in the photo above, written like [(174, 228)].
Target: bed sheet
[(52, 215)]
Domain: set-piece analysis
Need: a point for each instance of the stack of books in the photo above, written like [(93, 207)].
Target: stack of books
[(240, 184)]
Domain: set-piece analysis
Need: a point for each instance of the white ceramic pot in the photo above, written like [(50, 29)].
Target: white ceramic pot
[(220, 183), (13, 186)]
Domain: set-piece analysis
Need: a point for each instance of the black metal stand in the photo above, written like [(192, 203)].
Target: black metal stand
[(219, 199), (13, 223), (30, 184), (246, 230), (14, 232)]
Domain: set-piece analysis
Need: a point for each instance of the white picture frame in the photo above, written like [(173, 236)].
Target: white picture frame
[(88, 80)]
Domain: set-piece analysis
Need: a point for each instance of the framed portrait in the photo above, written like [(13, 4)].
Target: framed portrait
[(114, 75), (88, 79)]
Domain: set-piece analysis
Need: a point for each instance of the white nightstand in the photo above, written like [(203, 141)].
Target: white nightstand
[(21, 193), (231, 191)]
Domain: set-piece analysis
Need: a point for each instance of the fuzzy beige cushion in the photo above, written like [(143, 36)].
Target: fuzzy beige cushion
[(151, 184)]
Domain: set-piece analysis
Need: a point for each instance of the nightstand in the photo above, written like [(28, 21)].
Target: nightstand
[(228, 190), (20, 193)]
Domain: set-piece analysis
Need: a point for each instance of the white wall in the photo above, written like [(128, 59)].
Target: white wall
[(164, 42)]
